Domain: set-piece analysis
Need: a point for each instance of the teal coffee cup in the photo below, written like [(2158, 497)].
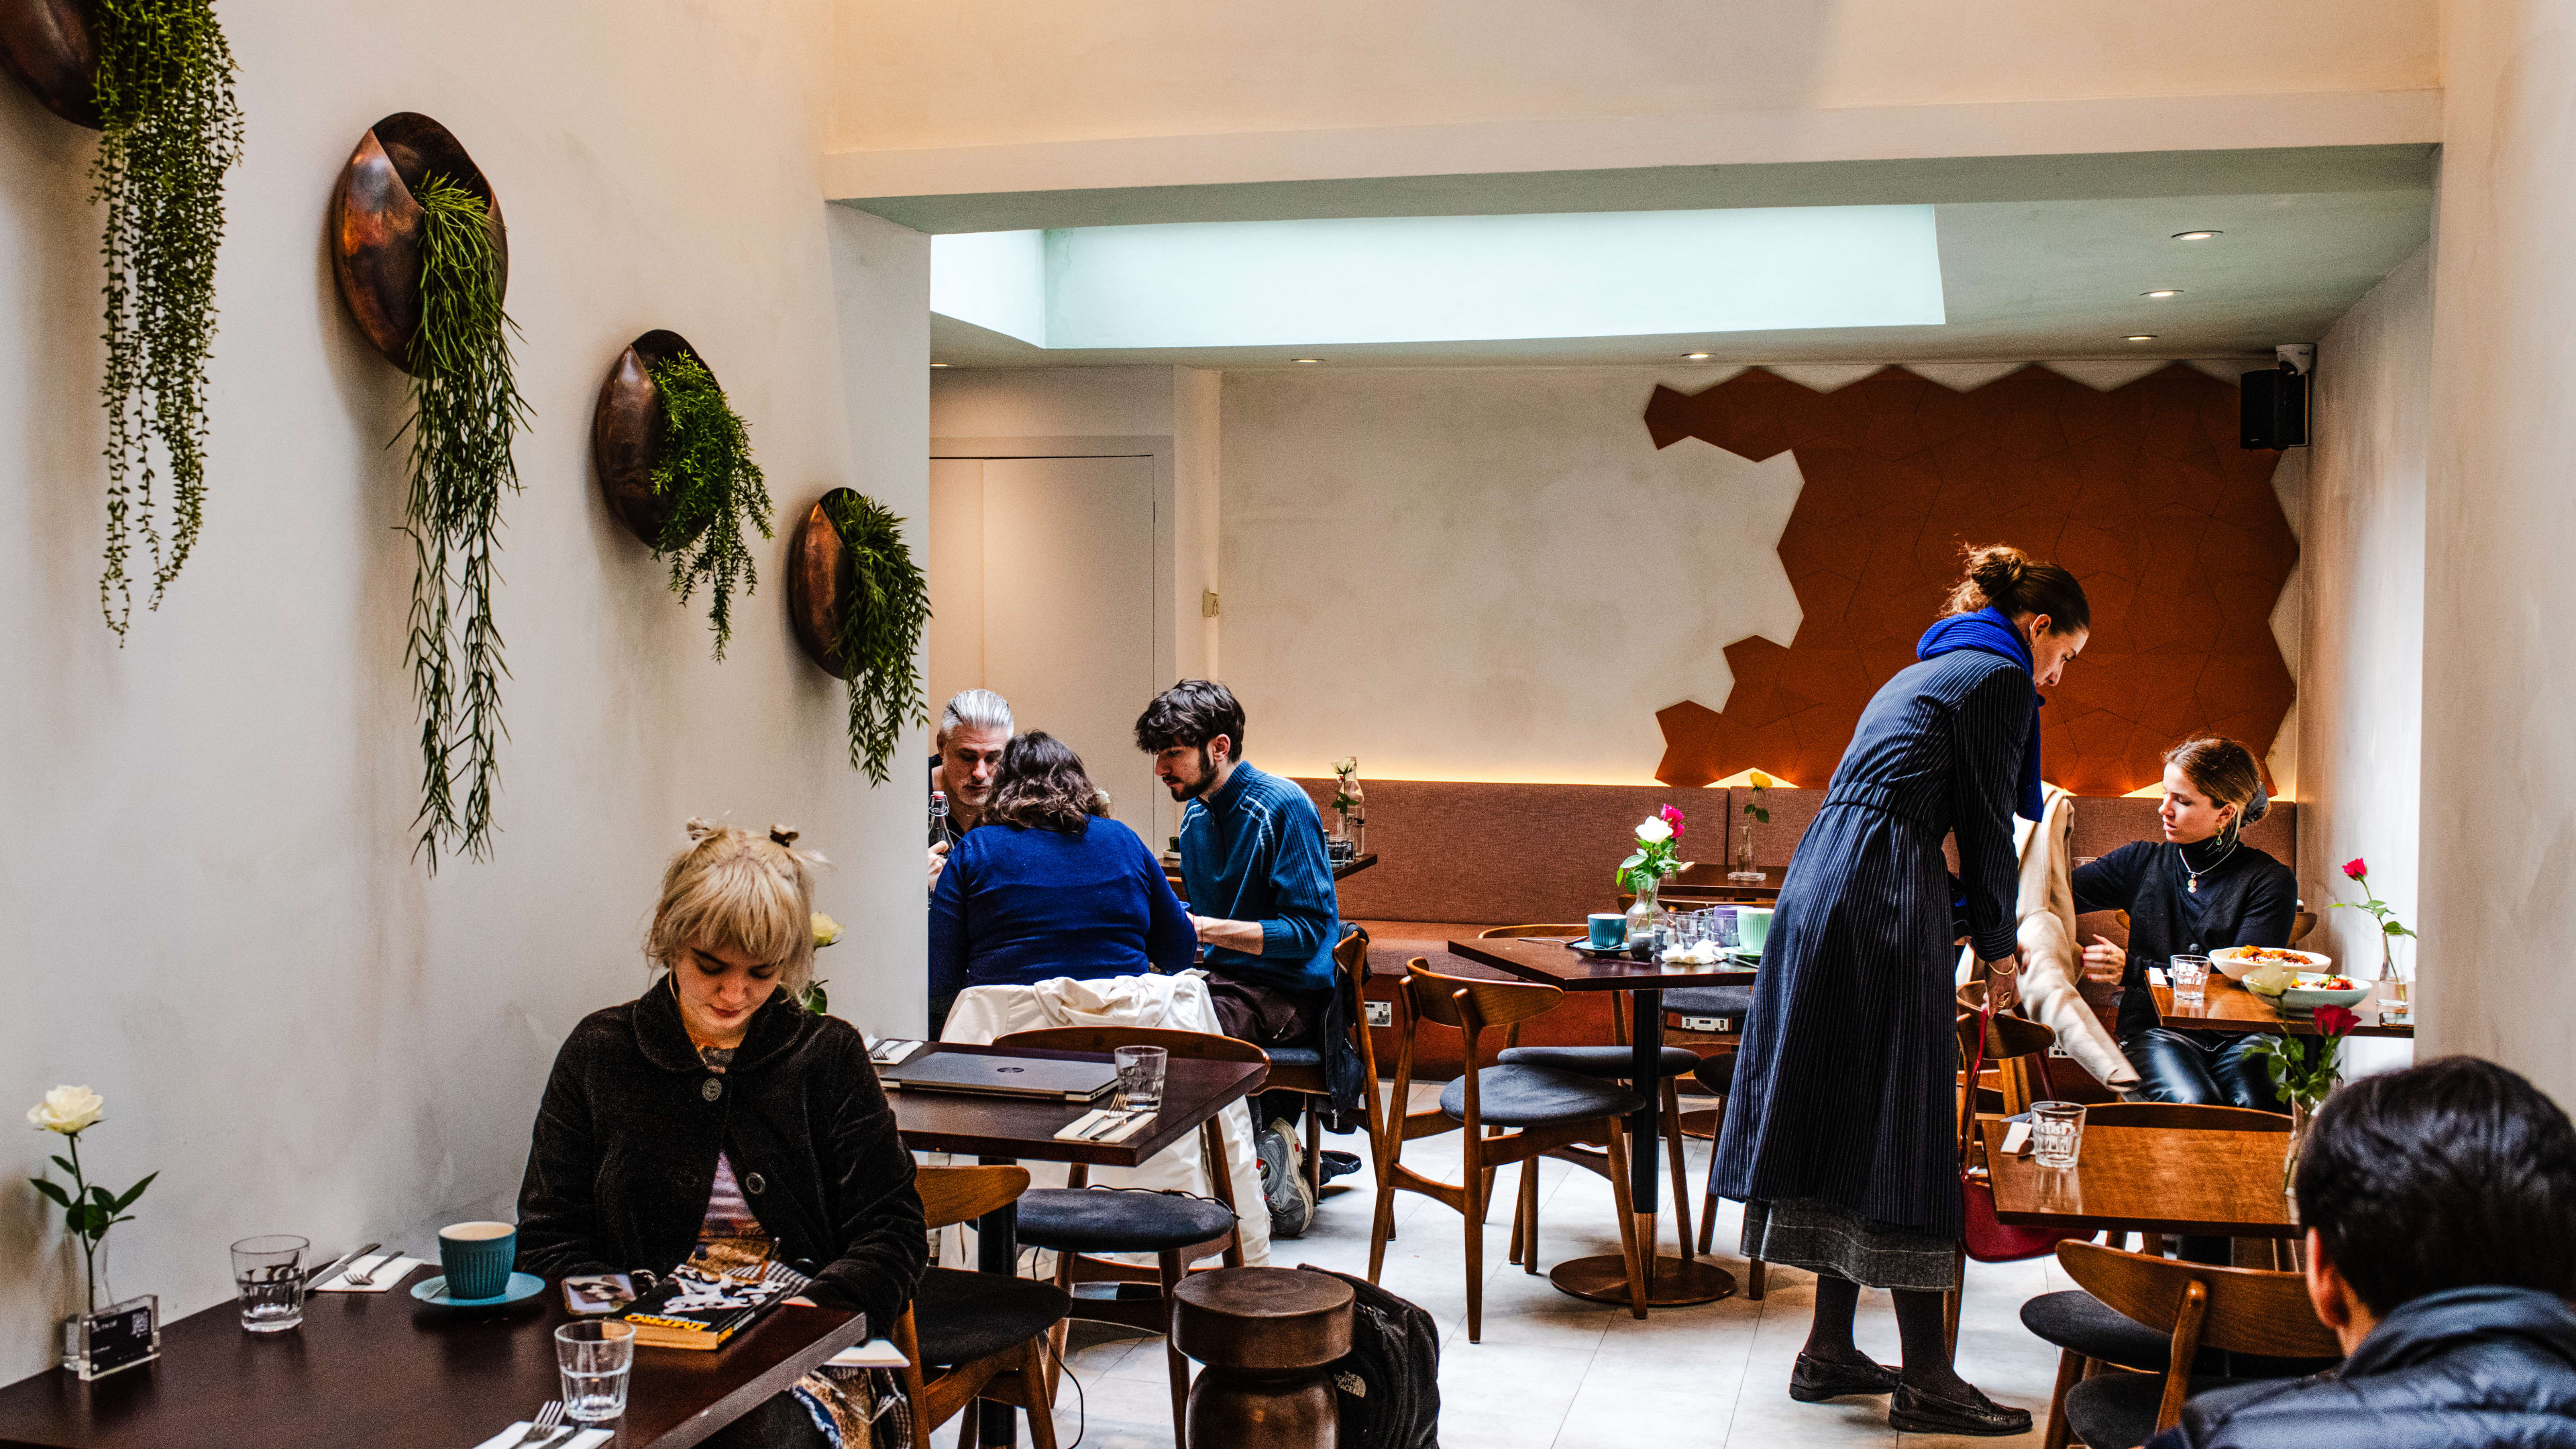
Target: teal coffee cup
[(478, 1258), (1609, 930), (1752, 928)]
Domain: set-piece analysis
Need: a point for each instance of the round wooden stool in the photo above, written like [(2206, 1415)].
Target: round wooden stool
[(1265, 1336)]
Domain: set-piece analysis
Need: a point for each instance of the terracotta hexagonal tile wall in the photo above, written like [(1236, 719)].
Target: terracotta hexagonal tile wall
[(2142, 491)]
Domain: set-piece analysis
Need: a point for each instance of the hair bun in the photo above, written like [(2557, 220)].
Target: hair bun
[(782, 835), (2261, 804), (700, 828)]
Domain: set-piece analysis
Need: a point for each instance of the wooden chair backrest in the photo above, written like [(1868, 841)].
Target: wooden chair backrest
[(2300, 925), (957, 1194), (2184, 1116), (2006, 1037), (2249, 1310), (1472, 1003), (1514, 933), (1197, 1046)]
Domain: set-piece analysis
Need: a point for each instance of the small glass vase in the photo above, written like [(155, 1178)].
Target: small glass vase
[(1645, 917), (1744, 873), (2301, 1114), (116, 1337)]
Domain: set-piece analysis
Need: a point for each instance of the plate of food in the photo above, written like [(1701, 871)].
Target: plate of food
[(2236, 962), (2304, 990)]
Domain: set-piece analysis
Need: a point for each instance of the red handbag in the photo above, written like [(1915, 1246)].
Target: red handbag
[(1981, 1236)]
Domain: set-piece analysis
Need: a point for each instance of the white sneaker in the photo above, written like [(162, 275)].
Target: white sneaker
[(1283, 1180)]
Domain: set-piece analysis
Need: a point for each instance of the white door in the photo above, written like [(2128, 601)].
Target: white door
[(1061, 619)]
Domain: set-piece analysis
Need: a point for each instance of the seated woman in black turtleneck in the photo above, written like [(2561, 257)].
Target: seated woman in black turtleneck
[(2194, 892)]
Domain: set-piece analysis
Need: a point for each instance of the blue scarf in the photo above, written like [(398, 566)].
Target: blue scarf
[(1991, 632)]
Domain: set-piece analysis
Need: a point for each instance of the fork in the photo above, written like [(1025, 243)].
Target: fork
[(362, 1277), (542, 1428)]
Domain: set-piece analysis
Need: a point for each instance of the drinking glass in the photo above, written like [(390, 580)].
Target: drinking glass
[(2189, 977), (269, 1271), (594, 1357), (1723, 923), (1140, 1077), (2056, 1133)]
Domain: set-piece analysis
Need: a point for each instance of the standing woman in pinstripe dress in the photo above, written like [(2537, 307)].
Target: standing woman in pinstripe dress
[(1841, 1132)]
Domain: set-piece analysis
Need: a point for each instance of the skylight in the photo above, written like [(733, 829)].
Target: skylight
[(1445, 278)]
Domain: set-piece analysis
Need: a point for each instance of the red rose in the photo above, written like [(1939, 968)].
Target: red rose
[(2355, 868), (2334, 1021), (1673, 818)]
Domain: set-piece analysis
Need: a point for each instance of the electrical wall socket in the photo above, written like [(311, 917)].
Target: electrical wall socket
[(1380, 1013), (1708, 1023)]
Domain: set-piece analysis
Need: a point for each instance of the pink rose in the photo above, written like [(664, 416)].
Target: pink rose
[(2355, 868), (2335, 1021), (1673, 818)]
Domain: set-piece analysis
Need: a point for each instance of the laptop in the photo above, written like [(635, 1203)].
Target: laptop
[(1043, 1077)]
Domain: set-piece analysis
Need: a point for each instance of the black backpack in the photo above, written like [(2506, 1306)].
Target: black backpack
[(1387, 1389)]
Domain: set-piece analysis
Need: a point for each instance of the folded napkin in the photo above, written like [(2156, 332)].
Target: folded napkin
[(580, 1439), (395, 1267), (875, 1353)]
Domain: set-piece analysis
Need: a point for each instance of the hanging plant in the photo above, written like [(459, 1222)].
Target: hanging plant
[(466, 412), (675, 465), (156, 78), (859, 603)]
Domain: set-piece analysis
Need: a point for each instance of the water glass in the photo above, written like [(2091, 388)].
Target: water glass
[(269, 1271), (594, 1358), (2056, 1133), (2189, 978), (1140, 1077)]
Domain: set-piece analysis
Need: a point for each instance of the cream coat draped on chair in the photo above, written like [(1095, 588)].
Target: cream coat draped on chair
[(2047, 933)]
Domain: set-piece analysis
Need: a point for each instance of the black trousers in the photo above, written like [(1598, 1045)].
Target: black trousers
[(1269, 1016), (2215, 1069)]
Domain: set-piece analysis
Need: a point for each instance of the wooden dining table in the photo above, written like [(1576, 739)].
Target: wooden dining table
[(384, 1369), (2225, 1005), (2149, 1180), (1016, 1129), (1670, 1282)]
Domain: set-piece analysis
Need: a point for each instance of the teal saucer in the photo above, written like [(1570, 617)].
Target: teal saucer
[(433, 1291)]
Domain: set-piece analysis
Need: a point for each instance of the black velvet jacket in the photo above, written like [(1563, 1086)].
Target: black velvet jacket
[(624, 1153)]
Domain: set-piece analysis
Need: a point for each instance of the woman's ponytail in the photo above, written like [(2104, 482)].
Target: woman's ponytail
[(2012, 583)]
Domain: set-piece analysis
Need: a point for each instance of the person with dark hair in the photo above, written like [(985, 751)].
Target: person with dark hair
[(2197, 890), (2440, 1204), (1260, 895), (1048, 885), (1839, 1135)]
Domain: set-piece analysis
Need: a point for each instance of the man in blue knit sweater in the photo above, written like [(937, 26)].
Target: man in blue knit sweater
[(1259, 889)]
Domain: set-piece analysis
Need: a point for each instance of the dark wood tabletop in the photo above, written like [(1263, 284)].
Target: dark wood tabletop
[(1025, 1128), (2227, 1006), (384, 1369), (1538, 958), (2152, 1180)]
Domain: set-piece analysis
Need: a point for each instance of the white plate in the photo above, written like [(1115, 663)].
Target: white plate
[(2236, 968)]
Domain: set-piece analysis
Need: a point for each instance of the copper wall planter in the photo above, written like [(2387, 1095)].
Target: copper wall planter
[(623, 429), (819, 578), (51, 46), (376, 225)]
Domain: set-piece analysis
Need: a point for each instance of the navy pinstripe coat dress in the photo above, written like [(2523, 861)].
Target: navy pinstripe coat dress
[(1844, 1078)]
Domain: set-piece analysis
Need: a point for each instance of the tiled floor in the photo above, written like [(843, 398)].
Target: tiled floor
[(1555, 1372)]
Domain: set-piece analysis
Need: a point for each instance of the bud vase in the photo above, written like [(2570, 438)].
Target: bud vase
[(1744, 873), (1644, 915), (2300, 1115)]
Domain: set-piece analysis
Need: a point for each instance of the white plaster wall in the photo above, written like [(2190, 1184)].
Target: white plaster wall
[(1051, 402), (1197, 432), (211, 911), (2361, 682), (2499, 781)]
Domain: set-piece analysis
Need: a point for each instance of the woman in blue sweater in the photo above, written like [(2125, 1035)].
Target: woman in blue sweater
[(1047, 885)]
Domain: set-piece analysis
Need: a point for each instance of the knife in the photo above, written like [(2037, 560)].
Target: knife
[(323, 1275)]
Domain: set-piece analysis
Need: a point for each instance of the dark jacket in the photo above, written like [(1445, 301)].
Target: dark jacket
[(2465, 1368), (1844, 1080), (2246, 898), (625, 1147), (1016, 906)]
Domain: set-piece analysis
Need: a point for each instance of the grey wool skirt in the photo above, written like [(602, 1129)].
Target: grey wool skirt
[(1820, 1237)]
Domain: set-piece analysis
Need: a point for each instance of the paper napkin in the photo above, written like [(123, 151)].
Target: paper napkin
[(395, 1268), (581, 1440)]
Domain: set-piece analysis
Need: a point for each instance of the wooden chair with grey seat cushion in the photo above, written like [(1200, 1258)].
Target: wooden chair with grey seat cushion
[(973, 1336), (2090, 1334), (1612, 1063), (2196, 1306), (1541, 1107), (1076, 1220), (1301, 1069)]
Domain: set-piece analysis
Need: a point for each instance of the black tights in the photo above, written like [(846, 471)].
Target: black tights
[(1920, 1328)]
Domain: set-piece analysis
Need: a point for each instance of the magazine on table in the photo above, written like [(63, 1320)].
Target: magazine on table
[(698, 1308)]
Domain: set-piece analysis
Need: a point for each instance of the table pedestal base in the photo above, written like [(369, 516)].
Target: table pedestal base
[(1670, 1283)]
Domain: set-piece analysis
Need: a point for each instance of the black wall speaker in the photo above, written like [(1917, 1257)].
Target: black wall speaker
[(2275, 409)]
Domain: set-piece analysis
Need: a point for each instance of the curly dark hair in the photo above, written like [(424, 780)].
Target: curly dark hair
[(1041, 785), (1191, 712)]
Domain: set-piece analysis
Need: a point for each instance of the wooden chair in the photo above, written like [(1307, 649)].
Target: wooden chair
[(1549, 1109), (1301, 1069), (1179, 1229), (1611, 1063), (2239, 1310), (2017, 1051), (973, 1336)]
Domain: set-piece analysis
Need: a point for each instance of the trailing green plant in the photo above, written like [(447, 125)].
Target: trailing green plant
[(170, 129), (879, 631), (466, 411), (702, 468)]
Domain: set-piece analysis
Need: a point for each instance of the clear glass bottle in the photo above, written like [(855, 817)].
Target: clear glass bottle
[(938, 817), (1645, 916), (1350, 806)]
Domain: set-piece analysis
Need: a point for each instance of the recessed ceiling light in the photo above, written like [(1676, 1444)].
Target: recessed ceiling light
[(2163, 292), (1305, 359), (1695, 357), (939, 364), (2141, 337), (2196, 235)]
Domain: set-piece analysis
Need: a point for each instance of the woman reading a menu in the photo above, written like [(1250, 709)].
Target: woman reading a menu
[(714, 1129)]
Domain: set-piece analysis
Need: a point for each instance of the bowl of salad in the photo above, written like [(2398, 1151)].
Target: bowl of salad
[(2238, 962)]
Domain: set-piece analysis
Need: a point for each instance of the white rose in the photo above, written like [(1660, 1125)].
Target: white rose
[(67, 1110), (1654, 832)]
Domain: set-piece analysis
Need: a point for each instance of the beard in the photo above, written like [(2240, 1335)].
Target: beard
[(1195, 788)]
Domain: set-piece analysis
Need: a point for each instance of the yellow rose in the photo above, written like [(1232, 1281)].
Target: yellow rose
[(1761, 781), (826, 930), (67, 1110)]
